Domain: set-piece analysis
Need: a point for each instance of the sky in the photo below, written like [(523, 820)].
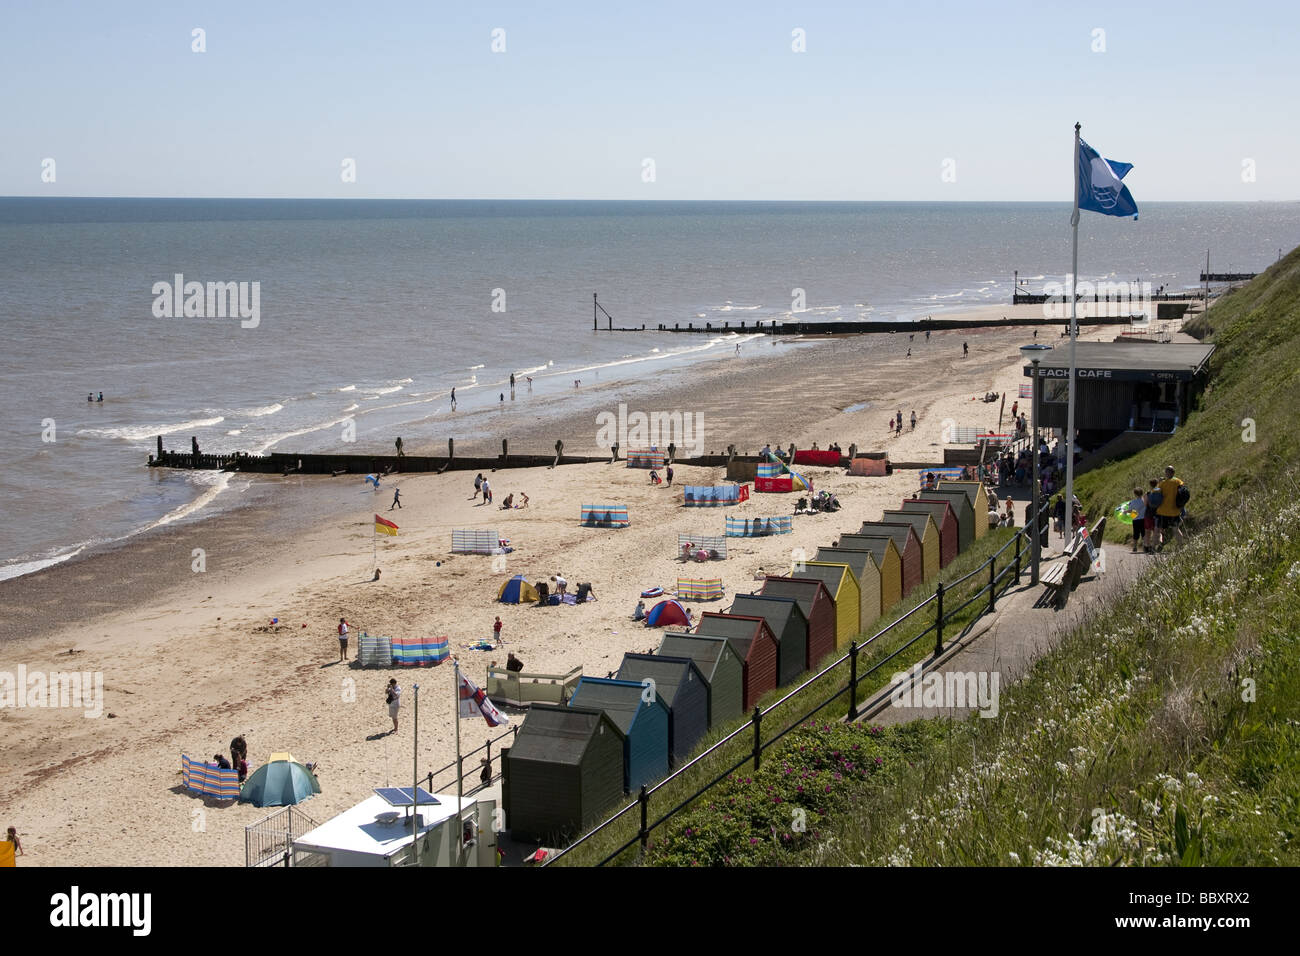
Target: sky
[(631, 100)]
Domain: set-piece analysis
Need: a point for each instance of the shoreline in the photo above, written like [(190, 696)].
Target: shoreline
[(191, 659)]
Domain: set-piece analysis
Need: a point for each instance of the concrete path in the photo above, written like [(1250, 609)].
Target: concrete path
[(1008, 641)]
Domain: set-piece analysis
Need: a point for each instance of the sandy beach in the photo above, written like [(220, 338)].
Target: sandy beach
[(189, 659)]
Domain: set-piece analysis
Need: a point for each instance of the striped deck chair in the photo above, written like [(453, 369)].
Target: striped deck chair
[(374, 651), (419, 651), (605, 516), (209, 778), (699, 589), (474, 542), (759, 527), (645, 459)]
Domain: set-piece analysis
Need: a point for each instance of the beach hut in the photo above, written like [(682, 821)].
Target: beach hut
[(867, 571), (563, 770), (909, 549), (888, 560), (979, 502), (679, 682), (818, 608), (368, 835), (754, 643), (928, 533), (667, 614), (644, 724), (789, 626), (722, 668), (518, 591), (843, 587), (961, 507), (944, 519)]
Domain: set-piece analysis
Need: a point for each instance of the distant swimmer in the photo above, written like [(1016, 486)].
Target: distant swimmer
[(909, 353), (577, 382), (101, 397), (529, 380), (90, 396), (453, 399), (737, 348), (927, 332)]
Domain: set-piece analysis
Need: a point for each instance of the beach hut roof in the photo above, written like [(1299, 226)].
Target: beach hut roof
[(802, 591), (620, 699), (703, 649), (878, 545), (901, 531), (668, 673), (777, 610), (855, 558), (555, 734)]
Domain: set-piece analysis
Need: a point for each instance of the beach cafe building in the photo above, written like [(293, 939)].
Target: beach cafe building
[(1130, 392)]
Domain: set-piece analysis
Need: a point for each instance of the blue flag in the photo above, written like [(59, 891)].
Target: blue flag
[(1100, 189)]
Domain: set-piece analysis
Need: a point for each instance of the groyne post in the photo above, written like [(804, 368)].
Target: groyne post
[(672, 452), (559, 452), (613, 453), (505, 452)]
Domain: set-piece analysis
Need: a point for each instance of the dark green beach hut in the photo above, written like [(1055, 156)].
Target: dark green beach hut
[(563, 771), (789, 626), (961, 506), (721, 666)]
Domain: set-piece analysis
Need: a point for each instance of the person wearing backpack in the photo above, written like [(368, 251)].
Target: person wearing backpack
[(1168, 515)]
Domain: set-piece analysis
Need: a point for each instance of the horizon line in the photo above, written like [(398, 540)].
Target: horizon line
[(1065, 202)]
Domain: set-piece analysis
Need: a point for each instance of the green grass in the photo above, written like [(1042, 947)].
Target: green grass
[(1162, 731), (789, 714)]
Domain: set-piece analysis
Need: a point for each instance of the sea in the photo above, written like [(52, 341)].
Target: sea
[(369, 312)]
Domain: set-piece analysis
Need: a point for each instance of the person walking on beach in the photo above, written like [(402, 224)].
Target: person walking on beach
[(927, 332), (737, 348), (965, 350), (512, 386), (668, 473), (397, 499), (478, 485), (343, 639), (393, 698), (914, 419), (496, 630), (101, 397), (487, 492), (453, 398), (898, 429), (398, 443)]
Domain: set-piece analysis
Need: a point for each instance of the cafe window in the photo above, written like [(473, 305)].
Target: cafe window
[(1056, 390)]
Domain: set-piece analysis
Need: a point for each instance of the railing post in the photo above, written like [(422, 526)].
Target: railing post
[(938, 620), (758, 738), (644, 800), (993, 584), (853, 681)]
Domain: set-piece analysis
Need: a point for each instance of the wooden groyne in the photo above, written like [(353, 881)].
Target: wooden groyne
[(285, 463), (774, 327)]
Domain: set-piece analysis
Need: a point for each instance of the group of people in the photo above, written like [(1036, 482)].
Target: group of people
[(509, 501), (238, 759), (656, 480), (1158, 510), (896, 423), (90, 397)]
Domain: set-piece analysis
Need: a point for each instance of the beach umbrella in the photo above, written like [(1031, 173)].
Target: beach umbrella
[(282, 782)]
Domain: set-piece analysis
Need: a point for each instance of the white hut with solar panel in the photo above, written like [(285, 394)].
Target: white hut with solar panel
[(379, 831)]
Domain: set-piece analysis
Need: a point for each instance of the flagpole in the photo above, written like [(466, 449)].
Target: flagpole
[(460, 827), (1074, 331), (415, 780)]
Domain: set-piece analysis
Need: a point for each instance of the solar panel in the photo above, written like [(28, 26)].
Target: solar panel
[(401, 796)]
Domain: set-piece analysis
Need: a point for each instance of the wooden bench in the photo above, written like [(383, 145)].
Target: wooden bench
[(1063, 577)]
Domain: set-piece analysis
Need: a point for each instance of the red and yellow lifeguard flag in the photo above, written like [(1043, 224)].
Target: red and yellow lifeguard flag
[(384, 526)]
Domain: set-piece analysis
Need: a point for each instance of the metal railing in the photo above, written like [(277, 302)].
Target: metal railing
[(478, 783), (269, 841), (1014, 568)]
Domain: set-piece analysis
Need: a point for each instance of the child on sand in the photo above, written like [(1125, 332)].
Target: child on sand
[(12, 837), (496, 631), (393, 698), (343, 639)]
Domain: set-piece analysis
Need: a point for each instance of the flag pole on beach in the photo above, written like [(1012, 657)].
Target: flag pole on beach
[(1098, 187), (460, 828), (1074, 331), (415, 780)]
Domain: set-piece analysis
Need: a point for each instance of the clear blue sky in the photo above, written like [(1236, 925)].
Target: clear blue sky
[(584, 92)]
